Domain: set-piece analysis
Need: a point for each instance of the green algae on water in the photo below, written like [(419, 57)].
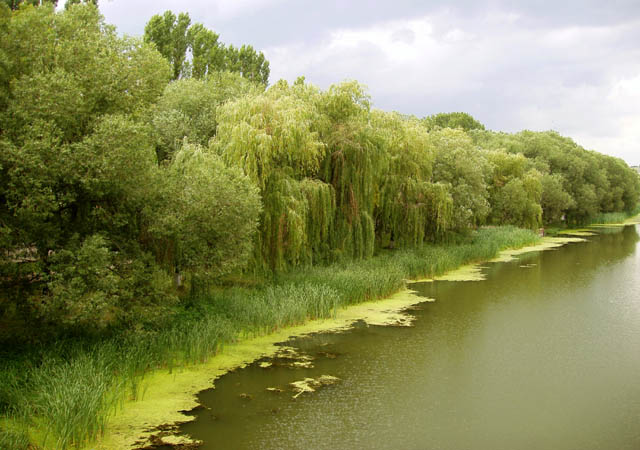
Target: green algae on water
[(311, 384), (169, 395), (581, 232)]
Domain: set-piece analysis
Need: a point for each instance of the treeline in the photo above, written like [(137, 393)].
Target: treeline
[(195, 51), (117, 184)]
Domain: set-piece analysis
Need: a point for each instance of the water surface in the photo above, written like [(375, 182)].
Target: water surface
[(544, 354)]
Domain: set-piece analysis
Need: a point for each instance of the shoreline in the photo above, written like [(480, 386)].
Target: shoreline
[(167, 396)]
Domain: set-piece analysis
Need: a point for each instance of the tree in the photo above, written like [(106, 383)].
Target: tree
[(69, 3), (188, 109), (15, 4), (174, 38), (270, 137), (76, 161), (169, 34), (245, 60), (411, 208), (459, 164), (206, 52), (207, 215), (453, 120)]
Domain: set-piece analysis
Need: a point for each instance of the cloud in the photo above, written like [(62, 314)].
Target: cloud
[(572, 66), (581, 80)]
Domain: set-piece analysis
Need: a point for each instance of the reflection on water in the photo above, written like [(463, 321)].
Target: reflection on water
[(544, 354)]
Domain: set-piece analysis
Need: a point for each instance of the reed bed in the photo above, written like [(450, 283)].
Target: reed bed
[(66, 393)]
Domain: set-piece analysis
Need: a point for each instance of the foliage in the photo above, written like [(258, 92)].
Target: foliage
[(87, 216), (269, 136), (248, 62), (69, 3), (412, 209), (207, 53), (555, 200), (463, 168), (188, 109), (195, 51), (584, 183), (207, 215), (15, 4), (515, 191), (452, 120), (169, 34)]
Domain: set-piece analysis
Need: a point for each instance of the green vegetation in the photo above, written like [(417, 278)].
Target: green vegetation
[(176, 39), (67, 390), (157, 200)]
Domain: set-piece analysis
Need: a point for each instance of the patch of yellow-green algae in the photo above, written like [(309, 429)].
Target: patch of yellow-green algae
[(470, 272), (585, 232), (473, 272), (167, 394), (546, 243)]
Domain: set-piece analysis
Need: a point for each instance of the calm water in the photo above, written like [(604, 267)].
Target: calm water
[(544, 354)]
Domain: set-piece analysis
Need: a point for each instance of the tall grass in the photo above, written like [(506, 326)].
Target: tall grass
[(69, 393), (604, 218), (13, 434), (614, 217)]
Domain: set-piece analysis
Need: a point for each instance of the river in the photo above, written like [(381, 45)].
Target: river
[(543, 354)]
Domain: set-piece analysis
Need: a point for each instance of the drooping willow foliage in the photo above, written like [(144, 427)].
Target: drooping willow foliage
[(339, 179), (411, 206), (270, 137)]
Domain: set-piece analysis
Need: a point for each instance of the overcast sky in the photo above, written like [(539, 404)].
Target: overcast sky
[(568, 65)]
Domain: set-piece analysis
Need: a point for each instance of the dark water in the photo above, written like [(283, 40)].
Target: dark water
[(544, 354)]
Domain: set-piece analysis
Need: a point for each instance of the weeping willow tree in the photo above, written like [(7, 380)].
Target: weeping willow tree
[(338, 180), (351, 164), (271, 137), (411, 208)]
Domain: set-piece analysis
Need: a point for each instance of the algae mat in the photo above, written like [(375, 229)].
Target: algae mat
[(474, 272), (168, 395)]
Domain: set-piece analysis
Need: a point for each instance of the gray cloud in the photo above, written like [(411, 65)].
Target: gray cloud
[(572, 66)]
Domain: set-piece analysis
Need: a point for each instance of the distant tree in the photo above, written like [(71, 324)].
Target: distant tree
[(14, 4), (169, 34), (555, 200), (458, 163), (245, 60), (188, 109), (175, 37), (206, 52), (453, 120), (80, 2)]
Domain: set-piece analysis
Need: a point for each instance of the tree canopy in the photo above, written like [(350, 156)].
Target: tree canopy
[(130, 169), (195, 51), (453, 120), (92, 228)]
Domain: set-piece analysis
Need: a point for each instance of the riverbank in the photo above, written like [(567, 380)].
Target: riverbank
[(139, 385), (169, 396), (545, 339)]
